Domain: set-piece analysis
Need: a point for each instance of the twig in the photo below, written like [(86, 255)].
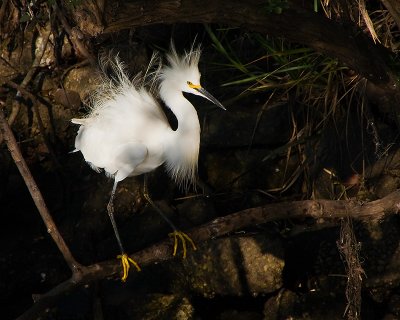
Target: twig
[(393, 7), (29, 76), (74, 34), (22, 91), (36, 63), (42, 130), (367, 20), (319, 209), (2, 11), (349, 250), (35, 192)]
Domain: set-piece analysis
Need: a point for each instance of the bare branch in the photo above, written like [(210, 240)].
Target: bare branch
[(318, 209), (35, 192), (28, 77)]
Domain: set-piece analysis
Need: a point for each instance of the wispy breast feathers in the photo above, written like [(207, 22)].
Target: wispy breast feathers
[(184, 173)]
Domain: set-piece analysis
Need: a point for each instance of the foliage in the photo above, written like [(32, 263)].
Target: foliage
[(320, 87), (276, 6)]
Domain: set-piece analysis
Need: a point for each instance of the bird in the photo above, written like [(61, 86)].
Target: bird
[(126, 132)]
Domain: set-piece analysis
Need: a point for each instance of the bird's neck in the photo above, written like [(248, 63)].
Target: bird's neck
[(183, 149)]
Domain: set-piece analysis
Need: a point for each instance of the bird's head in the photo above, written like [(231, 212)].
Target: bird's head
[(182, 74)]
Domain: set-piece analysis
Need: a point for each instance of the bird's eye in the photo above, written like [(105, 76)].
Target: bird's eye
[(193, 86)]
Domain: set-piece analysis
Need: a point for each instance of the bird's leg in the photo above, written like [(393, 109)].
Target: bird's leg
[(178, 235), (125, 259)]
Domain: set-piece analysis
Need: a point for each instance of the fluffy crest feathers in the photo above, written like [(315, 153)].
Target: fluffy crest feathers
[(190, 59), (181, 67)]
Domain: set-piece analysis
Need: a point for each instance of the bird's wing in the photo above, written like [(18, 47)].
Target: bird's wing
[(150, 104), (126, 103), (127, 157)]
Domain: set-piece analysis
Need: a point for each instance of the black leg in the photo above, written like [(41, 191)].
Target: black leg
[(110, 210), (178, 235), (149, 200), (126, 261)]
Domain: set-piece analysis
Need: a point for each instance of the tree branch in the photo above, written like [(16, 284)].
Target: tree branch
[(35, 192), (296, 23), (28, 77), (318, 209)]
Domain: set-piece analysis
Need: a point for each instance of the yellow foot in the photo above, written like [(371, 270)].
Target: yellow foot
[(179, 235), (126, 265)]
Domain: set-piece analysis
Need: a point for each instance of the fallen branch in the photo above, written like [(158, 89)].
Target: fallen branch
[(318, 209), (35, 192)]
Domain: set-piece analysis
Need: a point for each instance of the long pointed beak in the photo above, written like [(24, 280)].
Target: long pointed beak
[(209, 97)]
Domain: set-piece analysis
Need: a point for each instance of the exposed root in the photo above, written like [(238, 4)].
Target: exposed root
[(349, 250)]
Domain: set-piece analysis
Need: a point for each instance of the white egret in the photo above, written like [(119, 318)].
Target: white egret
[(127, 134)]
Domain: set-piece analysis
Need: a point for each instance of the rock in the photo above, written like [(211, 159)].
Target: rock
[(155, 306), (81, 80), (282, 305), (246, 264), (67, 98)]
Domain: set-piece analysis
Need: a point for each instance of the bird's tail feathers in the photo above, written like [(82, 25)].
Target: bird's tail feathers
[(79, 121)]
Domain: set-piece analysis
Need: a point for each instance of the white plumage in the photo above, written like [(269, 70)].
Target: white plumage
[(126, 132)]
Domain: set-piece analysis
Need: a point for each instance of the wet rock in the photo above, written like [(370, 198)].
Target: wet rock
[(68, 98), (249, 264), (155, 306), (282, 306), (81, 80)]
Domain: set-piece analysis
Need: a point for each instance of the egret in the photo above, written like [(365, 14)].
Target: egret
[(126, 132)]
